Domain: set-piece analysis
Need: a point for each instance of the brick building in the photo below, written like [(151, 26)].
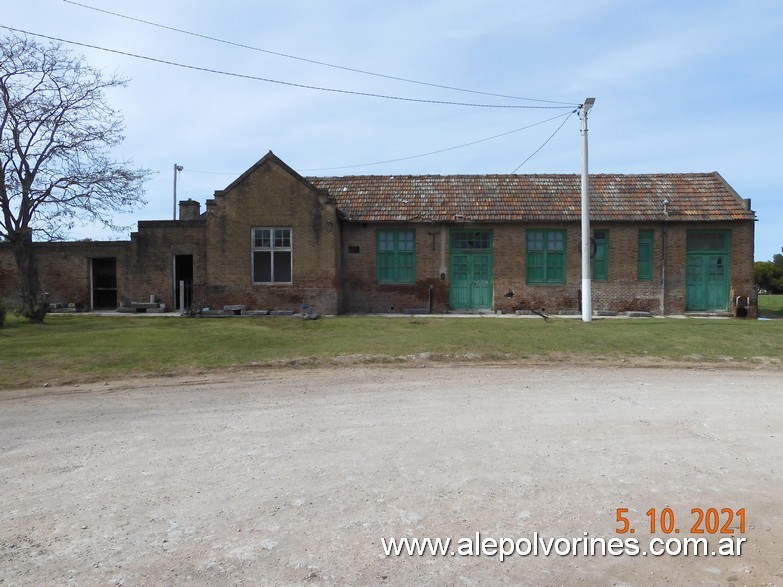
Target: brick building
[(274, 240)]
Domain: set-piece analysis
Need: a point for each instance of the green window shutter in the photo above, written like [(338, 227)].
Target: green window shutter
[(406, 267), (535, 267), (535, 258), (545, 256), (396, 256), (385, 265), (601, 258), (645, 255), (555, 256), (555, 267)]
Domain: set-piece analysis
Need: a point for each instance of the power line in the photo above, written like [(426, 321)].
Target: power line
[(210, 172), (279, 82), (546, 141), (421, 154), (306, 60), (446, 149)]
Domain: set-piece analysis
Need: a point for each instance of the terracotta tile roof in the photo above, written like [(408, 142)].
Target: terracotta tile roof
[(533, 198)]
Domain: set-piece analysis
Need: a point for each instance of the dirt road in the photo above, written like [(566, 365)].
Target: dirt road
[(297, 477)]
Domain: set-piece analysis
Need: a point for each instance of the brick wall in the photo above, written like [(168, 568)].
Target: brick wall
[(740, 269), (150, 264), (144, 265), (621, 292), (361, 290), (271, 195), (64, 269)]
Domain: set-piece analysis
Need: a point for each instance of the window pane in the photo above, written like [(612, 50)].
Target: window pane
[(262, 238), (262, 267), (554, 240), (385, 240), (479, 240), (283, 238), (405, 240), (706, 241), (282, 266), (535, 240)]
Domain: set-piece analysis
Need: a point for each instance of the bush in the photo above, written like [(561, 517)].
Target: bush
[(3, 310)]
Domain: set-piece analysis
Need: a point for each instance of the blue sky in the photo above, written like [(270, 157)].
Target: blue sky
[(687, 86)]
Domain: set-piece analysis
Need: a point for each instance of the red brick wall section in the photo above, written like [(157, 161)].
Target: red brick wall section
[(621, 292), (334, 265), (145, 264), (150, 265), (64, 269), (272, 196), (361, 291)]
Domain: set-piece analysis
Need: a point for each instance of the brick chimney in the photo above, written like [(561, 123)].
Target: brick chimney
[(189, 210)]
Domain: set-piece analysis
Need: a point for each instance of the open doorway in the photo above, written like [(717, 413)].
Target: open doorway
[(103, 278), (183, 272)]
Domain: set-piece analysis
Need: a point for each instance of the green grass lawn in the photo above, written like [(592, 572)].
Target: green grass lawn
[(83, 348), (771, 304)]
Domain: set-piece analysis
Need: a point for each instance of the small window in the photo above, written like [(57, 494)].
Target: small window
[(471, 240), (703, 240), (272, 255), (354, 250), (396, 256), (645, 255), (545, 258), (601, 255)]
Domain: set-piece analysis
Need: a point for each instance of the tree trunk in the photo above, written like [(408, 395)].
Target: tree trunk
[(34, 307)]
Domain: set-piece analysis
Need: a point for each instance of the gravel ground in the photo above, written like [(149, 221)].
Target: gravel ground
[(282, 477)]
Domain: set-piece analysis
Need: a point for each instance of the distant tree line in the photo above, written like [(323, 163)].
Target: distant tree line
[(768, 275)]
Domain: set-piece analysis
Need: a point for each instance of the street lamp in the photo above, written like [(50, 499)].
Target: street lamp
[(587, 285), (177, 169)]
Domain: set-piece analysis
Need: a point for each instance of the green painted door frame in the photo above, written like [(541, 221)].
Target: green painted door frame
[(471, 262), (707, 271)]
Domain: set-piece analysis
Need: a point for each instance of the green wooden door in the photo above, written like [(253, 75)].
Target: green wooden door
[(471, 270), (459, 292), (471, 281), (707, 270), (707, 284)]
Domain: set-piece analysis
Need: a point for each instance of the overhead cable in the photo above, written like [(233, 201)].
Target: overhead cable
[(306, 60), (446, 149), (533, 154), (279, 82)]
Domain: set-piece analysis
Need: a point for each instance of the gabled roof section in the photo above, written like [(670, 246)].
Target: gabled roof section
[(270, 157), (534, 198)]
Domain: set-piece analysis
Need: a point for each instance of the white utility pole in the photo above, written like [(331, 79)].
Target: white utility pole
[(587, 282), (177, 169)]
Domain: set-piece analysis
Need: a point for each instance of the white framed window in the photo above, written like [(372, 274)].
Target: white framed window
[(271, 255)]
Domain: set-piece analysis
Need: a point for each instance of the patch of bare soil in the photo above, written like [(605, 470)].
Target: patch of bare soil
[(296, 476)]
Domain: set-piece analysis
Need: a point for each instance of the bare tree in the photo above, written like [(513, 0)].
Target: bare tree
[(57, 132)]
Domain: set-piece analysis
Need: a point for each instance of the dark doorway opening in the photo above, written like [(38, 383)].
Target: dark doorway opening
[(183, 271), (104, 283)]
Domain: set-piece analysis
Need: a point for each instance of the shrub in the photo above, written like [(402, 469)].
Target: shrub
[(3, 310)]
